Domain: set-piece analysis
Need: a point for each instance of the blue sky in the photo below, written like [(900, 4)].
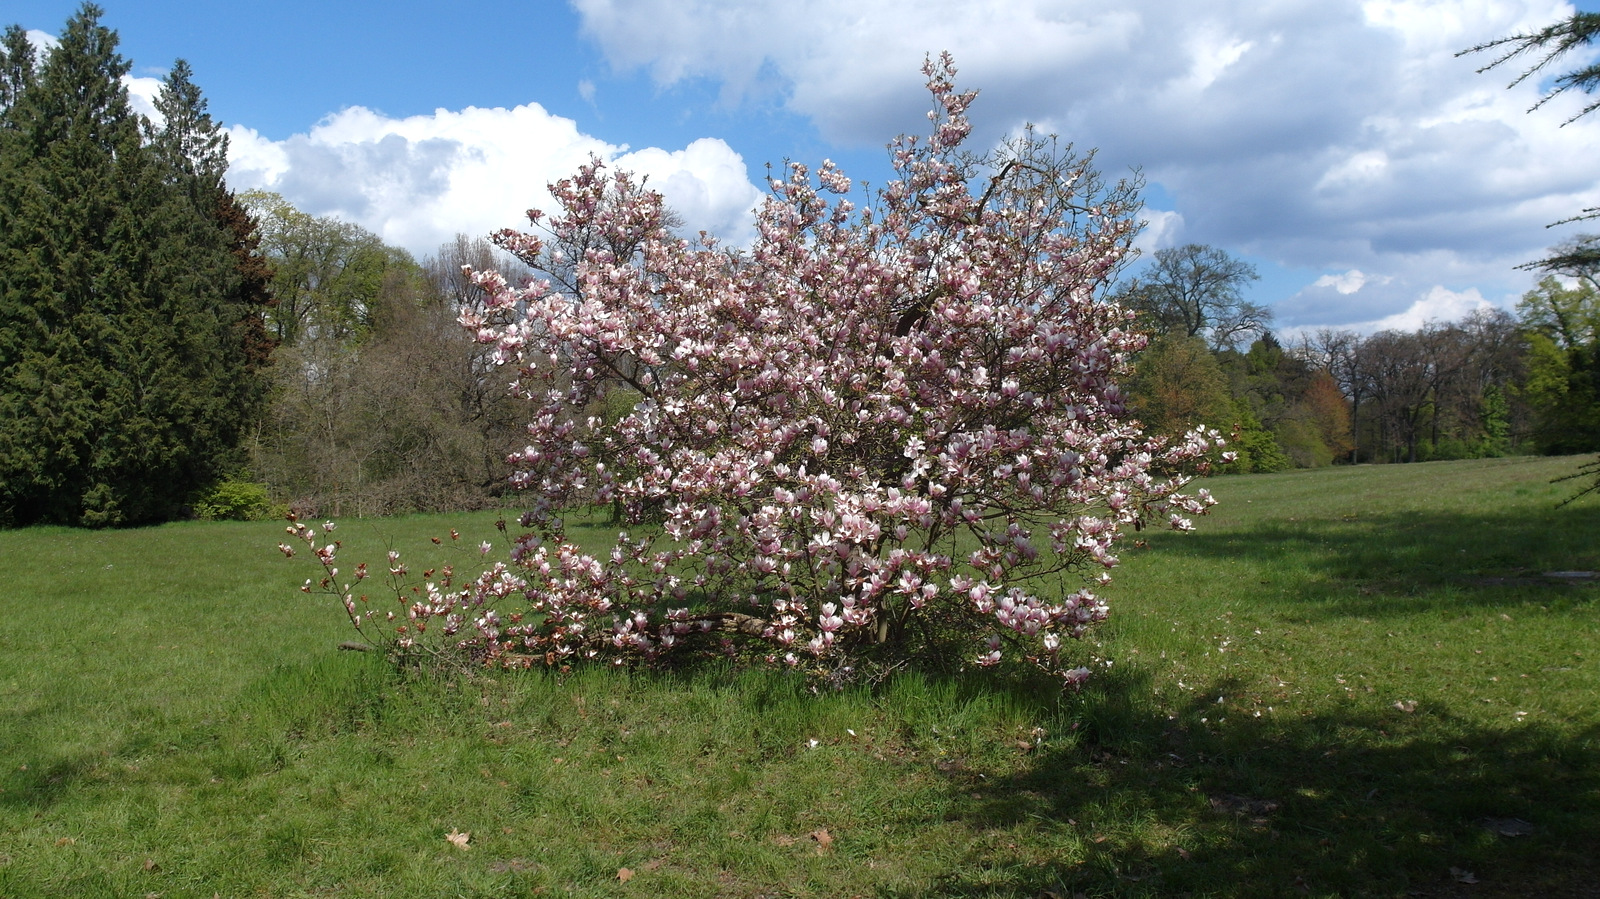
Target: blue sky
[(1338, 144)]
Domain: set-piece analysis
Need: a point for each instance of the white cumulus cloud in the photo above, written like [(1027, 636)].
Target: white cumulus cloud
[(142, 94), (1435, 286), (1322, 134), (1346, 283), (418, 181), (1162, 228), (43, 41), (1439, 304)]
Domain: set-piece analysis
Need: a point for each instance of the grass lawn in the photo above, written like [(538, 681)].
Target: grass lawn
[(1352, 681)]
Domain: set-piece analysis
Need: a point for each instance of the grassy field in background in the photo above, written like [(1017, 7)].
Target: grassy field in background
[(1351, 681)]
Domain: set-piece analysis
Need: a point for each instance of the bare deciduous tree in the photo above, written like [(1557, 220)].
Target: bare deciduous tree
[(1197, 291)]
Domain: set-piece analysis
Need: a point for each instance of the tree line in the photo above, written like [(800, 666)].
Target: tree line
[(1490, 384)]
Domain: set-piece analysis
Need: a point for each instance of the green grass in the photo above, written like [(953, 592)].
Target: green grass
[(174, 720)]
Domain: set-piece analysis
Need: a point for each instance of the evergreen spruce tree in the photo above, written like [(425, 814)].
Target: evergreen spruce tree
[(18, 71), (72, 146), (18, 65), (212, 283), (125, 383)]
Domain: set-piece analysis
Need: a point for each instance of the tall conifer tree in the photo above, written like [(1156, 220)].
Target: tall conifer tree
[(74, 149), (18, 65), (124, 380)]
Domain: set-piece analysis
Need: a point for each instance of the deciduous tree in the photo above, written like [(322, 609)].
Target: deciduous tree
[(325, 271), (1197, 291), (410, 414), (1327, 412), (1177, 385), (1562, 325)]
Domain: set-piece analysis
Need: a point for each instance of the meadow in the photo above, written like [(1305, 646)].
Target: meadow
[(1348, 682)]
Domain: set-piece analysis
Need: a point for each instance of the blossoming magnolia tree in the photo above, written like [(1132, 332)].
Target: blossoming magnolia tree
[(884, 430)]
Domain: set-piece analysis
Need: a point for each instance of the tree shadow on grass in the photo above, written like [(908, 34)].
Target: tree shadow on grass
[(1125, 798), (1412, 562), (35, 777), (1141, 802)]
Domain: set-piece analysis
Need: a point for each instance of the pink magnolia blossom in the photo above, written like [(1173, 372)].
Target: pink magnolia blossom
[(884, 412)]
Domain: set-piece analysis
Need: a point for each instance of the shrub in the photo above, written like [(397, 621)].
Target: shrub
[(236, 500), (870, 437)]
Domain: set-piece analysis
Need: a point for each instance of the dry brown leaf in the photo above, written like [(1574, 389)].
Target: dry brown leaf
[(458, 839), (151, 866), (624, 874), (1184, 854), (823, 838), (1406, 705), (66, 841)]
